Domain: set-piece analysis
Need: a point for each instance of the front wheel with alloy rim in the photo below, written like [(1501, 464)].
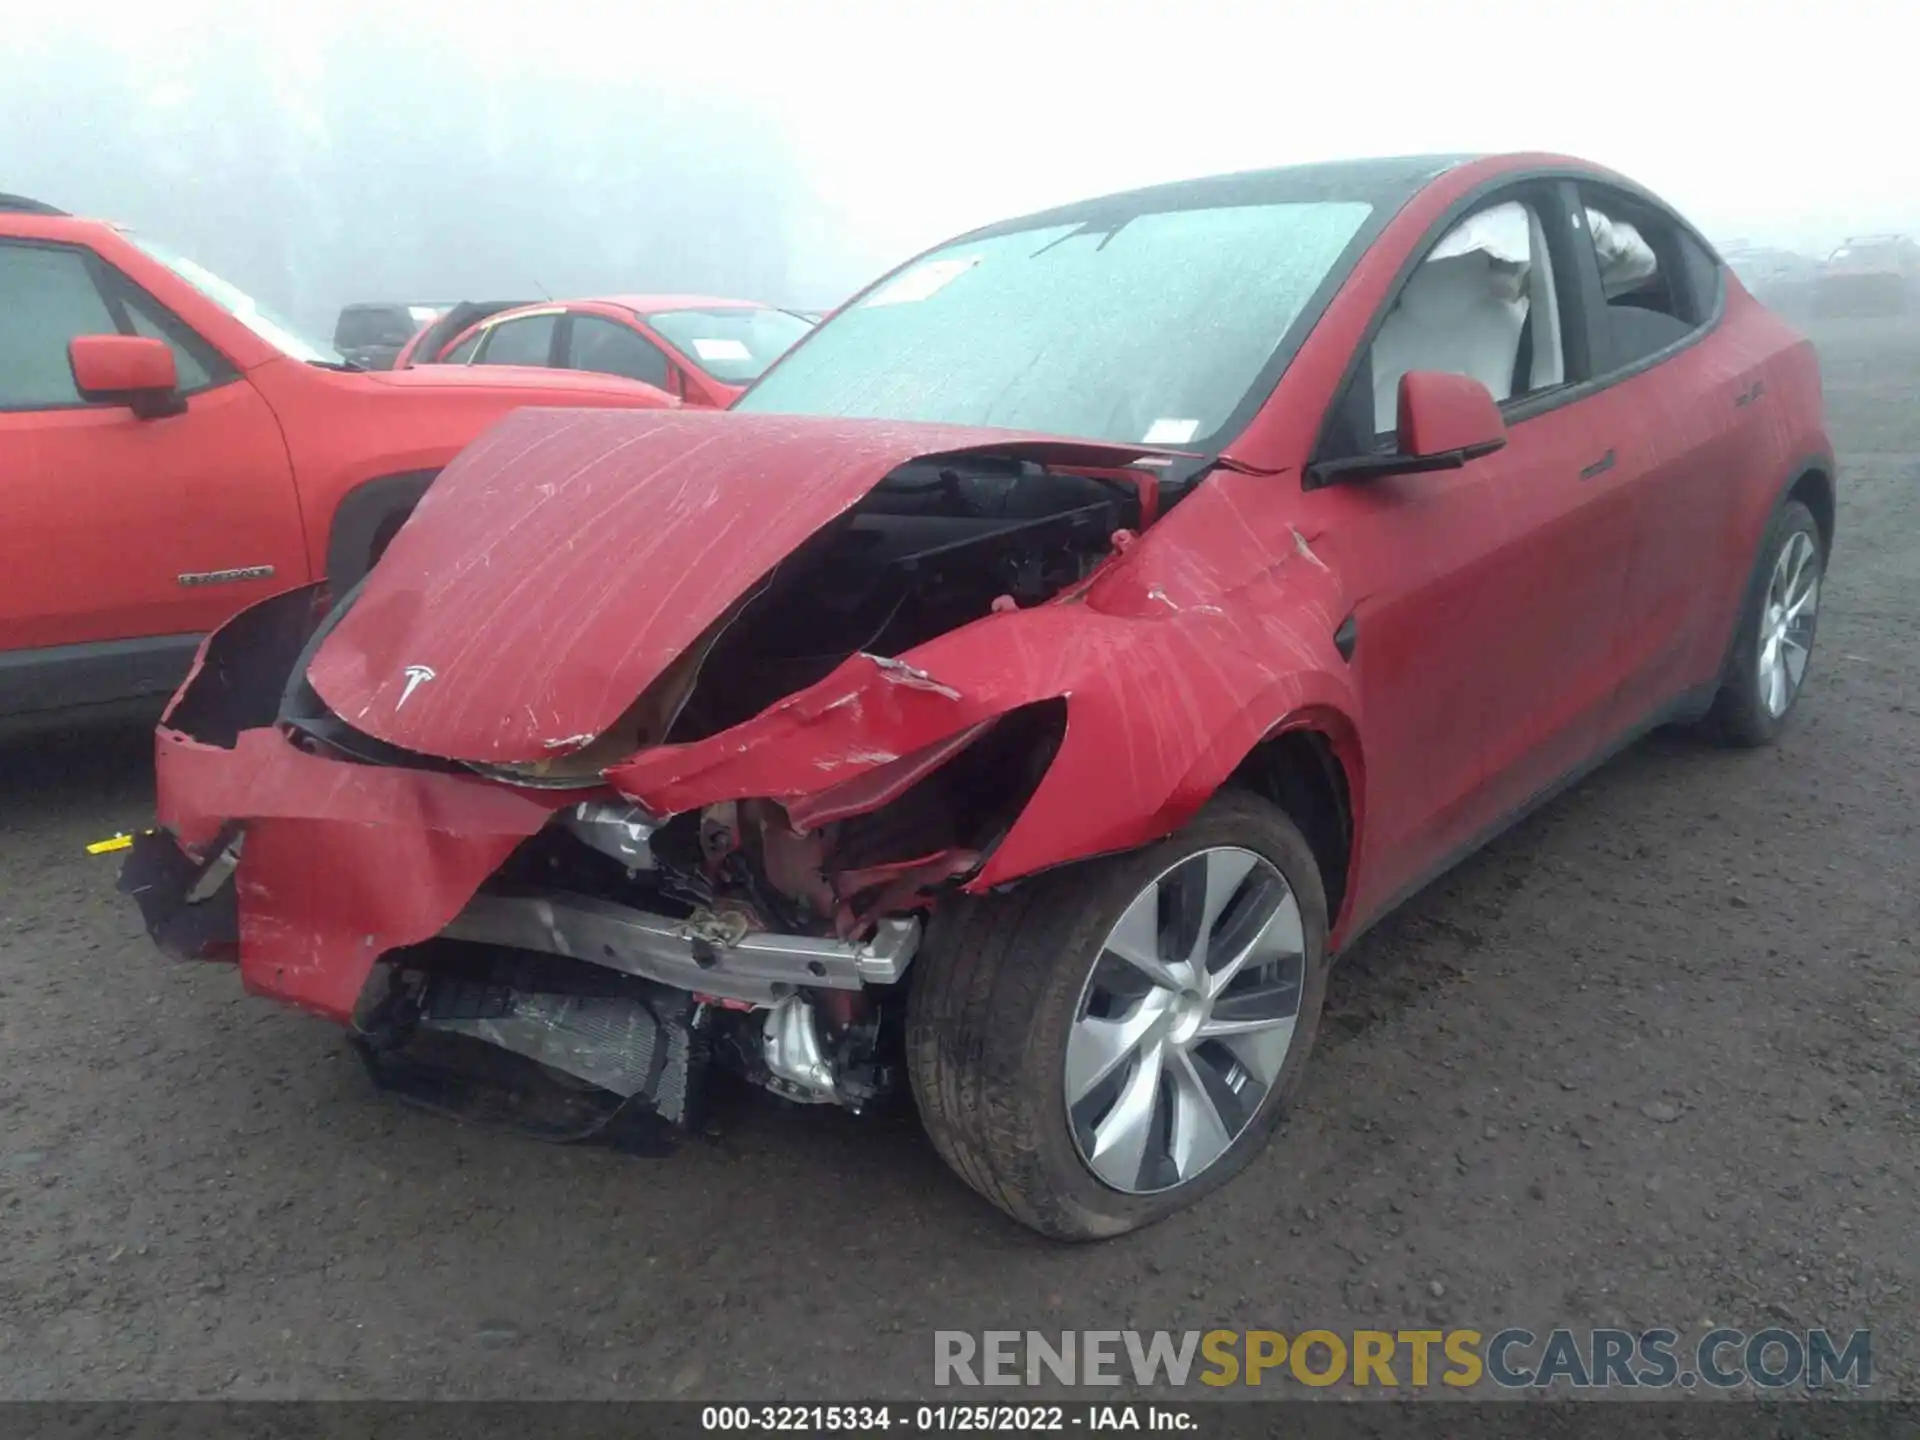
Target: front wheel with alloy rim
[(1105, 1045), (1774, 644)]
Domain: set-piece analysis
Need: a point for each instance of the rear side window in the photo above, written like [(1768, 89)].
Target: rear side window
[(608, 348), (1703, 275), (47, 297), (1659, 283), (527, 341)]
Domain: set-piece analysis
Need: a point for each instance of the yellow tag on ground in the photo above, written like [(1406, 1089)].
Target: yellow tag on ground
[(118, 842)]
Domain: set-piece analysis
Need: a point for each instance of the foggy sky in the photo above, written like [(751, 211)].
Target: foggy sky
[(403, 149)]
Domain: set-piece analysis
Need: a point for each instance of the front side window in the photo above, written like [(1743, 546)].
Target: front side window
[(1149, 326), (527, 341), (191, 363), (1485, 302), (607, 348), (47, 297)]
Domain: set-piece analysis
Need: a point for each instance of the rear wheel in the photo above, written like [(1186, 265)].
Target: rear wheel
[(1105, 1045), (1774, 645)]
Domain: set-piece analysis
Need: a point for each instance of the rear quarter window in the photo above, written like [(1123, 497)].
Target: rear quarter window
[(1703, 278)]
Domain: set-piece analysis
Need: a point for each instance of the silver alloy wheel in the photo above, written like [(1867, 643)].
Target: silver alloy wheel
[(1185, 1021), (1786, 622)]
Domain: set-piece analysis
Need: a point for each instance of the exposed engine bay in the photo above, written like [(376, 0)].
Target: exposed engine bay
[(626, 953)]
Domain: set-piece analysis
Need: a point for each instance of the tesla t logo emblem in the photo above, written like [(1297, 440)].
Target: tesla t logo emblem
[(417, 675)]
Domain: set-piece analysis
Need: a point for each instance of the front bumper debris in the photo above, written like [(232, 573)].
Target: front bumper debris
[(337, 886), (622, 1067), (342, 862), (189, 906), (758, 967)]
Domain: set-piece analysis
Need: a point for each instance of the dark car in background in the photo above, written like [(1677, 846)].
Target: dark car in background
[(1870, 275), (448, 326), (372, 334), (1781, 279)]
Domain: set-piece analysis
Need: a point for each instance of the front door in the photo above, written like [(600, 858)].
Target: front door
[(1486, 599), (122, 539)]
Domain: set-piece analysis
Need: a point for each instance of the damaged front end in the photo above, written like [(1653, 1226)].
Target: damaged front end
[(562, 900)]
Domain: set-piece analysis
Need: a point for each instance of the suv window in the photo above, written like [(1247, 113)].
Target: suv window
[(50, 294), (527, 341), (609, 348), (47, 297), (195, 365), (1657, 293)]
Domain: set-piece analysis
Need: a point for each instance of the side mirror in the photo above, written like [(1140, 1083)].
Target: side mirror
[(130, 370), (1445, 421), (1445, 417)]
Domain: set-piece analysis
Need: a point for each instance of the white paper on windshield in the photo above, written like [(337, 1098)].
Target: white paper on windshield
[(921, 282), (1170, 432), (721, 350)]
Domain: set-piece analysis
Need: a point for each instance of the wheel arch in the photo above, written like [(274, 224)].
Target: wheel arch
[(366, 518), (1309, 767), (1811, 483), (1166, 790)]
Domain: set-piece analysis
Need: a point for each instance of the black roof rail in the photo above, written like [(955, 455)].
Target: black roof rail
[(21, 205)]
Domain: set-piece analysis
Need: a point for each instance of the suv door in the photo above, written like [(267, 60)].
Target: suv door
[(123, 539), (1487, 596)]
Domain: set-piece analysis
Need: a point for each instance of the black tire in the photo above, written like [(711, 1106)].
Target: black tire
[(995, 993), (1740, 717)]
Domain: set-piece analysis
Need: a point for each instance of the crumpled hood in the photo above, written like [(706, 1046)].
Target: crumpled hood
[(567, 557)]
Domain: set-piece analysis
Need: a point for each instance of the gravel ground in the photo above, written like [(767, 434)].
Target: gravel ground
[(1652, 1059)]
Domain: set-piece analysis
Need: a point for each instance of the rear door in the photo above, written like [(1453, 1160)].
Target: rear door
[(1683, 404), (122, 539)]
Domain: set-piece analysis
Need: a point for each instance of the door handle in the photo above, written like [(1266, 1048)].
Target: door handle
[(1598, 467), (1754, 392)]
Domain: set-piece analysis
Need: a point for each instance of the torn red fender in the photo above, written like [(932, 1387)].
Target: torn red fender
[(881, 785), (341, 862), (1159, 712), (865, 717)]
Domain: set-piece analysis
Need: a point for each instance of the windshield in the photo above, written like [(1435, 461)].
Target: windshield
[(1148, 328), (270, 327), (732, 345)]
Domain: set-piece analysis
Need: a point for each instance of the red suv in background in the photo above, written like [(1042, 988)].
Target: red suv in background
[(699, 348), (172, 451)]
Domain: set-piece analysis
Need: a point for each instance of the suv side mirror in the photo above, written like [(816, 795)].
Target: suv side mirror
[(130, 370), (1445, 421)]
